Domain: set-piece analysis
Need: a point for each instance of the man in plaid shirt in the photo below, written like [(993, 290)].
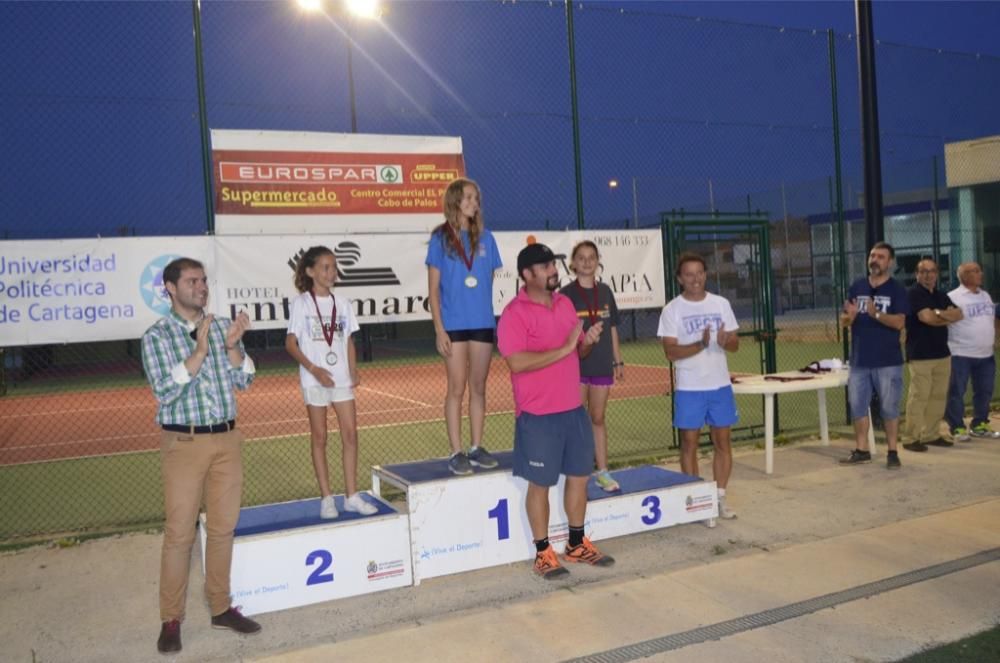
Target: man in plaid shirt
[(193, 361)]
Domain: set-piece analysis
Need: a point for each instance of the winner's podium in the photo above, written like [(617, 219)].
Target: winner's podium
[(472, 522), (285, 556)]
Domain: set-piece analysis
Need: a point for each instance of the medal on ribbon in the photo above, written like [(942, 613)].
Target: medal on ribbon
[(331, 356), (456, 241), (592, 311)]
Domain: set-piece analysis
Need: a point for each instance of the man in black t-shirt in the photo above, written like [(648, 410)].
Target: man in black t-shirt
[(875, 310), (931, 311)]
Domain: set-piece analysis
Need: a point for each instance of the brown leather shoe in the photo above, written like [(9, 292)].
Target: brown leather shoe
[(170, 637), (234, 621)]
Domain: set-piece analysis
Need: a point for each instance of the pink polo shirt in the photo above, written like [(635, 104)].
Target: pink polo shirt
[(527, 326)]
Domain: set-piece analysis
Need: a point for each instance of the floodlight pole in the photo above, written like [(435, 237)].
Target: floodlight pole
[(874, 222), (578, 169), (206, 155)]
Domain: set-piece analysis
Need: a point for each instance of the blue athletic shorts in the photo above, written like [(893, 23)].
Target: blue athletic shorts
[(694, 409), (887, 381), (547, 445)]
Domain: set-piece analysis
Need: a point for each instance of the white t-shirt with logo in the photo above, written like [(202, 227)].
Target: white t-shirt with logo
[(973, 335), (308, 330), (686, 321)]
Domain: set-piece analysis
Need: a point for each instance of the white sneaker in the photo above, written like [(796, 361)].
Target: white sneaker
[(725, 512), (328, 508), (357, 504)]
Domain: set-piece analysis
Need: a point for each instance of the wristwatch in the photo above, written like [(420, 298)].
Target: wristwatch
[(878, 314), (937, 312)]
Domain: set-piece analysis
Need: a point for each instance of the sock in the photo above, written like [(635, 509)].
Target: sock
[(473, 448), (541, 545), (455, 454), (575, 536), (893, 453), (722, 492)]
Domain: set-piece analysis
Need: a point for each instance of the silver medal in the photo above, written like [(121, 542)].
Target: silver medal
[(471, 281), (331, 358)]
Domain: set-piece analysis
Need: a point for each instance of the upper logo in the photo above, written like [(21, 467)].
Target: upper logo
[(348, 254), (154, 294)]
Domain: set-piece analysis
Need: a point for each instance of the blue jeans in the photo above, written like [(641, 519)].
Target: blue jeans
[(886, 381), (982, 371)]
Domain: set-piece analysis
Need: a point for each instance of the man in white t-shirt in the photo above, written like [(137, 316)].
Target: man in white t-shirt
[(970, 341), (697, 329)]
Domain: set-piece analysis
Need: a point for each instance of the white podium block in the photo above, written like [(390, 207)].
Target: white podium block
[(285, 556), (463, 523)]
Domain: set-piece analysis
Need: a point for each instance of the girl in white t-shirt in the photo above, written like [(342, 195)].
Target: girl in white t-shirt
[(319, 339)]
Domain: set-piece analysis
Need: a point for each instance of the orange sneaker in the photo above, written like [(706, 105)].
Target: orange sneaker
[(547, 565), (587, 553)]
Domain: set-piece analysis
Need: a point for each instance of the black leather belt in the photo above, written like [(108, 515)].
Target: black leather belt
[(224, 427)]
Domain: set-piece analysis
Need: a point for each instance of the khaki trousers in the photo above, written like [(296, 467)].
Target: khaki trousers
[(196, 467), (927, 398)]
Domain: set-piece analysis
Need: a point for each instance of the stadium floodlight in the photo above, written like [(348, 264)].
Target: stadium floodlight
[(310, 5), (363, 8)]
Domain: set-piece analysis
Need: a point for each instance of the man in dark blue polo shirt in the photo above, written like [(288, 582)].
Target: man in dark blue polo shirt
[(931, 311), (875, 310)]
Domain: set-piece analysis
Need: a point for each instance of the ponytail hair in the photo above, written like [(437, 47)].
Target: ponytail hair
[(304, 282)]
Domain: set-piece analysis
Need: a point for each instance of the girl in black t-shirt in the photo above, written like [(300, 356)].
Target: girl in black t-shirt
[(594, 301)]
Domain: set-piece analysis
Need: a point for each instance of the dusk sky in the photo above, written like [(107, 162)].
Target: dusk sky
[(100, 124)]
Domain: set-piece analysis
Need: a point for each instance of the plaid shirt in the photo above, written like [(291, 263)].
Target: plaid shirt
[(208, 397)]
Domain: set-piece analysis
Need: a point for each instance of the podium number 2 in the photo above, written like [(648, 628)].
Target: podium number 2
[(653, 517), (325, 559), (503, 522)]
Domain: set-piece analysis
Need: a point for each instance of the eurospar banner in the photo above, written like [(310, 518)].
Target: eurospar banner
[(278, 182)]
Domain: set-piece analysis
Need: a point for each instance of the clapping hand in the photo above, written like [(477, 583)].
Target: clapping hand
[(593, 334), (201, 334), (236, 330), (574, 337)]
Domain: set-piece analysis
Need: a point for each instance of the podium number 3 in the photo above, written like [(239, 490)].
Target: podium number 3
[(653, 517), (325, 559), (503, 521)]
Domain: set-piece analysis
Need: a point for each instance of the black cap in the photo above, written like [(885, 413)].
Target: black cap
[(534, 254)]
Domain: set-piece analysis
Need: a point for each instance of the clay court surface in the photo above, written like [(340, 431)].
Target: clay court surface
[(109, 421)]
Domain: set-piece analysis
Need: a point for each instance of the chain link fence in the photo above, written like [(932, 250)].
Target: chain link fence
[(689, 118)]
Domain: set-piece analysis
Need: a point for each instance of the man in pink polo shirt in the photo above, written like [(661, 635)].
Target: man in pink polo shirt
[(541, 338)]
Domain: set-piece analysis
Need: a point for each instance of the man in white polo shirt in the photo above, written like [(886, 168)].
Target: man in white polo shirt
[(970, 341)]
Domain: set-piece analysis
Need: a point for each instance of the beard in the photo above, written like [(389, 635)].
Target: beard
[(552, 283), (874, 268)]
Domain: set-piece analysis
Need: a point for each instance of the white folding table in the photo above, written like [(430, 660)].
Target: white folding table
[(780, 384)]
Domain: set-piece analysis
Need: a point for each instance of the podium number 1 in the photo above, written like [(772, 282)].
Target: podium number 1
[(325, 559), (653, 503), (503, 521)]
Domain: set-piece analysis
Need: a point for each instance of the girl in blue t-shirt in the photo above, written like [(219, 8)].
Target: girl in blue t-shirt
[(462, 257)]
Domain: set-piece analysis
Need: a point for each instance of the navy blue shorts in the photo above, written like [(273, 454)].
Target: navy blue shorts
[(547, 445), (486, 335)]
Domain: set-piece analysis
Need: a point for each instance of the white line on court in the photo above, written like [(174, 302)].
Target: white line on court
[(402, 398)]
